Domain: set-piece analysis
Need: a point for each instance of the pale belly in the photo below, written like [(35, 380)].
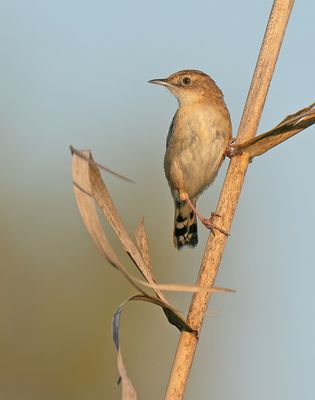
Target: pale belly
[(192, 167)]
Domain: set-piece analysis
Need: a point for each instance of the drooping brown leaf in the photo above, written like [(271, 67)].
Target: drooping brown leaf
[(103, 199), (287, 128), (142, 242), (86, 204)]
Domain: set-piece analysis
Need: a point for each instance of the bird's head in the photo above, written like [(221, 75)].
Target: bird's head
[(191, 86)]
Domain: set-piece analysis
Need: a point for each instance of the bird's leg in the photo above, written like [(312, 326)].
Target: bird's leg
[(207, 222), (232, 149)]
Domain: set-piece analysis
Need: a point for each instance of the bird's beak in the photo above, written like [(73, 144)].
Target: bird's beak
[(163, 82)]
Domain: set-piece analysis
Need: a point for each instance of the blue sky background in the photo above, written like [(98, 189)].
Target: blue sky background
[(75, 72)]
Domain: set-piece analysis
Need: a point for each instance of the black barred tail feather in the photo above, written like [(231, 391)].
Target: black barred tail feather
[(185, 226)]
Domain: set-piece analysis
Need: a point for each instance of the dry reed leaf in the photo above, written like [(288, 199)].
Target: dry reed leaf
[(86, 205), (142, 242), (103, 199), (85, 200), (287, 128), (87, 208)]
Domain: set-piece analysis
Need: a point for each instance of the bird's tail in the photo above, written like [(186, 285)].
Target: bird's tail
[(185, 225)]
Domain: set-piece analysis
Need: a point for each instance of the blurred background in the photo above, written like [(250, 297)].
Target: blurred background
[(75, 72)]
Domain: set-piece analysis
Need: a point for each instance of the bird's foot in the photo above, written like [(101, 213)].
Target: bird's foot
[(232, 149), (209, 223)]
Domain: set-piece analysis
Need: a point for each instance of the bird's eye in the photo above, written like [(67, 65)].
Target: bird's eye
[(186, 81)]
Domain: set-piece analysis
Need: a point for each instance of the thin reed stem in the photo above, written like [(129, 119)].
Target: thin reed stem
[(230, 193)]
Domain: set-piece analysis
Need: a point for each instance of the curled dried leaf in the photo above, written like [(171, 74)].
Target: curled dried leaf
[(84, 196), (104, 201), (88, 185), (86, 204)]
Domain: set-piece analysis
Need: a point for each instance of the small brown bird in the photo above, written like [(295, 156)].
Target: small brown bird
[(196, 142)]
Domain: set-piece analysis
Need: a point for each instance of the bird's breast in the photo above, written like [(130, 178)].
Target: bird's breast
[(195, 149)]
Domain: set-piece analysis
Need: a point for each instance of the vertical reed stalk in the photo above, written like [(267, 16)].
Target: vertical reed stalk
[(230, 193)]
